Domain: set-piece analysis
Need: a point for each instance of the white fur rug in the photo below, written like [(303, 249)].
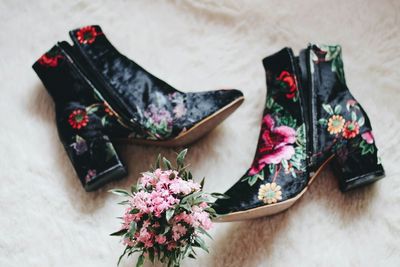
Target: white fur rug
[(48, 220)]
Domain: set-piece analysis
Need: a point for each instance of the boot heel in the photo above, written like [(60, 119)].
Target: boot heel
[(93, 157), (84, 121), (358, 166)]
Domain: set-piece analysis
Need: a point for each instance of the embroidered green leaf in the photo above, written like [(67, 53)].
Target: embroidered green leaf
[(301, 135), (271, 168), (353, 116), (252, 180), (338, 109), (104, 121), (92, 108), (366, 148), (323, 122), (328, 108), (270, 102), (361, 121)]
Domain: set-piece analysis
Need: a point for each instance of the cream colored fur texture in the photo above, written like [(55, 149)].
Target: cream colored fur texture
[(48, 220)]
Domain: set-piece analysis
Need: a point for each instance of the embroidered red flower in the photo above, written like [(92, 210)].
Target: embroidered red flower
[(350, 129), (78, 119), (87, 35), (288, 81), (49, 59), (276, 144)]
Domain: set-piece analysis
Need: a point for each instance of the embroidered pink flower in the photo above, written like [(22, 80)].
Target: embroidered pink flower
[(275, 144), (368, 137)]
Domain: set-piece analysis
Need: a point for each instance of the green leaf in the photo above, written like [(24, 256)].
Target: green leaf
[(92, 109), (353, 116), (328, 108), (361, 121), (186, 206), (104, 121), (202, 182), (201, 243), (132, 228), (323, 122), (158, 161), (134, 211), (192, 256), (219, 196), (134, 189), (252, 180), (169, 213), (338, 109), (151, 255), (167, 164), (166, 229), (119, 192), (180, 160), (140, 261), (119, 233), (123, 254), (201, 230)]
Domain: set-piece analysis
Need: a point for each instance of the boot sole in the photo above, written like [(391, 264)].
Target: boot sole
[(271, 209), (195, 132)]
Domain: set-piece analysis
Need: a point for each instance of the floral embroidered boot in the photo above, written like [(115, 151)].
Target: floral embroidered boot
[(156, 112), (310, 119), (84, 120)]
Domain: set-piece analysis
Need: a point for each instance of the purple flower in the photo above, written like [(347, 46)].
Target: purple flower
[(79, 146)]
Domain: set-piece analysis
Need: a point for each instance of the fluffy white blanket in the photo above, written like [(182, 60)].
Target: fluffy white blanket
[(48, 220)]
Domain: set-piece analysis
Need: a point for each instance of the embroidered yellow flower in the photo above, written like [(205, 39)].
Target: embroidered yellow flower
[(335, 124), (270, 193)]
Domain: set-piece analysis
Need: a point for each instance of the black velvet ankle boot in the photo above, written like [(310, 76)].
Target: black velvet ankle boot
[(310, 119), (102, 96), (156, 112)]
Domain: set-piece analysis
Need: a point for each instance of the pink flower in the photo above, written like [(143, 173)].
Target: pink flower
[(274, 145), (160, 239), (178, 230), (171, 246), (128, 242), (179, 110), (203, 205), (368, 137), (179, 186)]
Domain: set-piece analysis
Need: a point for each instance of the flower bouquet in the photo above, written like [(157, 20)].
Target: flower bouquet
[(167, 214)]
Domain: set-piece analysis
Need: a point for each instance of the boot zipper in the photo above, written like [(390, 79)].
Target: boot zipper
[(74, 63)]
